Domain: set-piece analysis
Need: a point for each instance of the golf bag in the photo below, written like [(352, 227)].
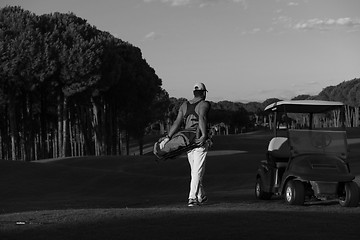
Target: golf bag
[(180, 142)]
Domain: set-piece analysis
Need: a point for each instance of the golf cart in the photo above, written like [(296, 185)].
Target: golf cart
[(307, 164)]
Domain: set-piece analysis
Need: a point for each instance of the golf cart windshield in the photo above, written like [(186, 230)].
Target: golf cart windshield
[(301, 114), (316, 141)]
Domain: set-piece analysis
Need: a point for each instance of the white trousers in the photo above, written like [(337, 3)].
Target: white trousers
[(197, 160)]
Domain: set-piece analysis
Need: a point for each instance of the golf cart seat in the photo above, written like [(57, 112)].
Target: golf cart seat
[(279, 151)]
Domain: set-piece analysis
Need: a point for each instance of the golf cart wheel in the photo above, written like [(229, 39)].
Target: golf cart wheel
[(259, 191), (350, 196), (294, 193)]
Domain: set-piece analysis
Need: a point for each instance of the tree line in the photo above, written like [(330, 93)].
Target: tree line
[(69, 89), (347, 92), (237, 116)]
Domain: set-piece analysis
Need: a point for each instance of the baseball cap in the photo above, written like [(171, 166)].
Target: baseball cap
[(200, 87)]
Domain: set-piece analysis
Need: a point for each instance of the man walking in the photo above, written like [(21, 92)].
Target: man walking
[(194, 113)]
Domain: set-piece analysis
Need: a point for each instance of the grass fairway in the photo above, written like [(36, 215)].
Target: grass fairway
[(136, 198)]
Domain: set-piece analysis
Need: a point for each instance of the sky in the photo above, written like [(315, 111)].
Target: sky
[(242, 50)]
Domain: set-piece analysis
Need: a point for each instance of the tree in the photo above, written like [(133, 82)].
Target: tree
[(302, 97), (70, 89), (20, 61)]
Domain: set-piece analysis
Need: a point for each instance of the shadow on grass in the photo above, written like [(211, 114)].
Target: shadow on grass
[(183, 223)]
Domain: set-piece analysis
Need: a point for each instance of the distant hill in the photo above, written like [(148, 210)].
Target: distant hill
[(347, 92)]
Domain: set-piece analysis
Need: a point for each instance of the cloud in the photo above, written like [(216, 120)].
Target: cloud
[(200, 3), (255, 30), (152, 36), (283, 20), (287, 92), (347, 23), (177, 2), (327, 24), (293, 4), (242, 2), (252, 31), (270, 29)]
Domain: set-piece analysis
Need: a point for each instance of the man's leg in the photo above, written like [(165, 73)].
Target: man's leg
[(201, 191), (190, 155), (197, 161)]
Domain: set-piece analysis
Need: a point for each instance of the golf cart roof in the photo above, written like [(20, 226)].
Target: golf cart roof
[(303, 106)]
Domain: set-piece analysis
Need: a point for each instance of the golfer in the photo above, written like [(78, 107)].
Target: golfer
[(194, 113)]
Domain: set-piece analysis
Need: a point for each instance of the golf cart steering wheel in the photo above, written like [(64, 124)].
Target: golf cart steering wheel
[(321, 140)]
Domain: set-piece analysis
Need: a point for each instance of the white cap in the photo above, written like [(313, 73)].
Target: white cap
[(200, 87)]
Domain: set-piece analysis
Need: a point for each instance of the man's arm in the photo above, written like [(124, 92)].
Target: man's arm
[(175, 126), (177, 123), (203, 111)]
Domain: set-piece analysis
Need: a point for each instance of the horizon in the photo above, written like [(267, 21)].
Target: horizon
[(244, 51)]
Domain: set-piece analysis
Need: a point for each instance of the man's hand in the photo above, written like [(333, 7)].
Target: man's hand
[(163, 142), (201, 141)]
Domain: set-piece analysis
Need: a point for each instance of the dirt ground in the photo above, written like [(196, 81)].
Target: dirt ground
[(137, 198)]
